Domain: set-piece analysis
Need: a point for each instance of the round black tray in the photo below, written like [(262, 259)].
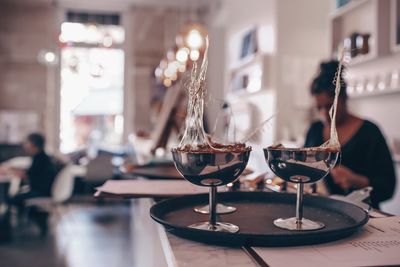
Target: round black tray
[(255, 214)]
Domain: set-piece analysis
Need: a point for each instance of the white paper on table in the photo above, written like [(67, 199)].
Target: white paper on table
[(151, 188), (377, 244)]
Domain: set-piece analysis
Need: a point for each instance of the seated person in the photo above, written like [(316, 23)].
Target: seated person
[(365, 157), (40, 174)]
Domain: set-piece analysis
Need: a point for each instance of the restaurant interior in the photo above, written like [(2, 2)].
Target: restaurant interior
[(154, 133)]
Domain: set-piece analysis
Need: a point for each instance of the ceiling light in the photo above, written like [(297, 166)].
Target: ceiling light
[(194, 39), (50, 57), (182, 54), (182, 68), (167, 83), (194, 55), (158, 72)]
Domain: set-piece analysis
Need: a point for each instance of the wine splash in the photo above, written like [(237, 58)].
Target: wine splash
[(195, 138), (333, 141), (194, 135)]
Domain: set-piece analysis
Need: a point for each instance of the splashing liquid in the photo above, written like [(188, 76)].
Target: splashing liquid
[(333, 141), (194, 136)]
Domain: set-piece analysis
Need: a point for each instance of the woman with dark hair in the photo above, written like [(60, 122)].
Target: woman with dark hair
[(365, 157)]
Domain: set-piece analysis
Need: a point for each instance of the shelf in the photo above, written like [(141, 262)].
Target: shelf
[(358, 60), (250, 73), (245, 62), (364, 16), (374, 93), (243, 93), (358, 17), (395, 20), (354, 4)]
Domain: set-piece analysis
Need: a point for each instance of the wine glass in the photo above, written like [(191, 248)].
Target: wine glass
[(212, 169), (300, 166), (228, 136)]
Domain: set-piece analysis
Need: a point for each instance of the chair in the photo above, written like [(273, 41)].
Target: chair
[(14, 188), (99, 170), (61, 190), (22, 163)]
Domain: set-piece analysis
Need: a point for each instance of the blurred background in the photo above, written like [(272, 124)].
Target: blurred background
[(101, 80)]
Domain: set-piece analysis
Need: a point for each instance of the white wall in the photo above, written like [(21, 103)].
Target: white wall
[(225, 20), (295, 41), (225, 23), (300, 38), (215, 72), (25, 84), (302, 42)]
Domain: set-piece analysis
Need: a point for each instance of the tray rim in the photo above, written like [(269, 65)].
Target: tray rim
[(289, 234)]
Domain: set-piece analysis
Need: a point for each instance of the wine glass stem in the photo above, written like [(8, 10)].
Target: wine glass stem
[(299, 203), (213, 205)]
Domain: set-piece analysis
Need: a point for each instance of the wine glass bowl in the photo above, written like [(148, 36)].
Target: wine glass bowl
[(305, 165), (211, 169), (300, 166)]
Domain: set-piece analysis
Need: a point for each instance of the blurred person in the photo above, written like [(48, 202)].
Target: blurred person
[(40, 177), (365, 157)]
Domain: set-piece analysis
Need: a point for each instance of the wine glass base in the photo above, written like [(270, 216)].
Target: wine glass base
[(218, 227), (221, 209), (293, 225)]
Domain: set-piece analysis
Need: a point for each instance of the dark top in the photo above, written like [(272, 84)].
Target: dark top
[(41, 174), (366, 153)]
